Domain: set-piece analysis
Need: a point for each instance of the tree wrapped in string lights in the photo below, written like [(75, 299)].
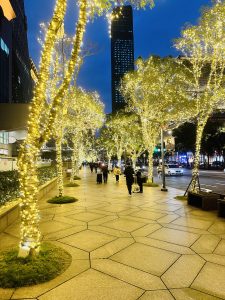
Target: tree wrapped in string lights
[(105, 141), (60, 57), (85, 115), (203, 48), (117, 138), (157, 93), (41, 120), (119, 127)]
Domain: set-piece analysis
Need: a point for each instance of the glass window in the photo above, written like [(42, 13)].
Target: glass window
[(4, 137), (4, 46), (1, 137)]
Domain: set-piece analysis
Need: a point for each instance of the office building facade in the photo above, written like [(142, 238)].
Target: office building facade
[(122, 51), (15, 78)]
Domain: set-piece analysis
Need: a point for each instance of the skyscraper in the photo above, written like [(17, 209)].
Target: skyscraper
[(6, 16), (122, 51), (15, 78)]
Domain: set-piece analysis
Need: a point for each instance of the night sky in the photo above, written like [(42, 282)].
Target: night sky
[(154, 31)]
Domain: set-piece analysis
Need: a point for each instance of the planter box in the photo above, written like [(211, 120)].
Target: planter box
[(11, 211), (221, 208), (203, 200)]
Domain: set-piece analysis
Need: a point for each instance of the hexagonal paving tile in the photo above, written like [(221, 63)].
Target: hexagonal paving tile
[(175, 236), (124, 224), (86, 216), (157, 295), (92, 285), (88, 240), (179, 275), (190, 294), (211, 280), (193, 222), (148, 215), (149, 259)]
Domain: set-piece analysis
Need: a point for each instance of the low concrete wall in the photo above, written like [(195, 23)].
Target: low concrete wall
[(45, 188), (10, 212)]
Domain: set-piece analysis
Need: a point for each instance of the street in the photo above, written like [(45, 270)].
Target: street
[(212, 180)]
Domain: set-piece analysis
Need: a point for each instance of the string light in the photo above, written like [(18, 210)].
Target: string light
[(41, 120), (85, 114), (157, 92), (203, 47)]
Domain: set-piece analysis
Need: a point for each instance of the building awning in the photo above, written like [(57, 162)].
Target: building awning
[(13, 116), (7, 9)]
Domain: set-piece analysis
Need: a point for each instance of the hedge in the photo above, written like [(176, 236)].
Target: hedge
[(9, 182)]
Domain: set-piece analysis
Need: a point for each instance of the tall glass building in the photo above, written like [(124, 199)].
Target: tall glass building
[(122, 51), (15, 78)]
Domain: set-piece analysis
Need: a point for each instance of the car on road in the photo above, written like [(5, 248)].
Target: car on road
[(171, 169), (217, 165)]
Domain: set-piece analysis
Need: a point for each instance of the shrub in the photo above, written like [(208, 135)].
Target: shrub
[(150, 184), (46, 173), (17, 272), (9, 182), (71, 184), (181, 197), (9, 186), (62, 200)]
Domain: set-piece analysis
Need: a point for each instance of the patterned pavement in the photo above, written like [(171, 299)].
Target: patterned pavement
[(148, 246)]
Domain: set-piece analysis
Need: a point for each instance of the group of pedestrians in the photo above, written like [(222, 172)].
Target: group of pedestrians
[(93, 166), (132, 177)]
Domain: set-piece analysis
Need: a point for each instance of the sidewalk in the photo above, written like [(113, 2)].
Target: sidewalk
[(148, 246)]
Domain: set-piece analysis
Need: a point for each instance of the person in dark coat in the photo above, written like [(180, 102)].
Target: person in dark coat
[(96, 167), (99, 176), (105, 172), (91, 167), (139, 181), (129, 173)]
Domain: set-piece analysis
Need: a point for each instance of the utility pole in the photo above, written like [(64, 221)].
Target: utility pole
[(163, 189)]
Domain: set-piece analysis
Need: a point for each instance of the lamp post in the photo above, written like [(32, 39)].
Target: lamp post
[(163, 189)]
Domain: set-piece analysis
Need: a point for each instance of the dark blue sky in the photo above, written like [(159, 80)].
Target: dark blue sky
[(154, 31)]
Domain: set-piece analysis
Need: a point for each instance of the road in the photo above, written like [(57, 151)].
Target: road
[(213, 180)]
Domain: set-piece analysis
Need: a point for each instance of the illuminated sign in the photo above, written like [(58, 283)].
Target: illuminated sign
[(4, 151), (7, 9)]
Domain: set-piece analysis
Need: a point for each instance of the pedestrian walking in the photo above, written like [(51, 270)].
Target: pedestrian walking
[(91, 167), (129, 173), (105, 172), (140, 180), (117, 173), (96, 167), (99, 176)]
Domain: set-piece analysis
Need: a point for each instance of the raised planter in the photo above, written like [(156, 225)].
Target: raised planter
[(221, 208), (10, 212), (203, 200)]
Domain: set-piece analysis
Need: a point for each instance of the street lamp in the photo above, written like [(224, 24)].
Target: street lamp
[(163, 189)]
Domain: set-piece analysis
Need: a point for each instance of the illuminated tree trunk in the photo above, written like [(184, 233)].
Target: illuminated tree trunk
[(119, 155), (109, 155), (59, 166), (73, 63), (134, 160), (150, 163), (195, 172), (75, 157), (30, 234), (73, 172)]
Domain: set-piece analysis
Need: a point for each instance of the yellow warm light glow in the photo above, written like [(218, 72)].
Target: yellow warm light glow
[(7, 9), (203, 47), (157, 92), (42, 117)]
